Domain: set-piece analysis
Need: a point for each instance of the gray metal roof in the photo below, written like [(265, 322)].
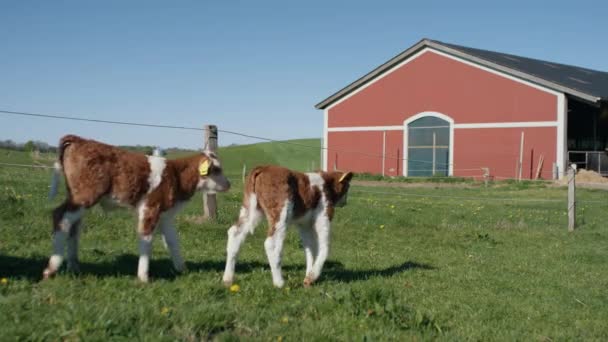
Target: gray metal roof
[(586, 84)]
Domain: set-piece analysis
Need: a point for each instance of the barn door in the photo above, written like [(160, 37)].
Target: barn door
[(428, 147)]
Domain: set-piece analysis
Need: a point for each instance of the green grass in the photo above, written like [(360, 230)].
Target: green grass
[(416, 263)]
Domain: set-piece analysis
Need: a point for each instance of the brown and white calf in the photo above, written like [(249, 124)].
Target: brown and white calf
[(157, 188), (284, 197)]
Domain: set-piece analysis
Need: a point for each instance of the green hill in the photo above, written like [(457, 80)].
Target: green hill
[(299, 154), (294, 154)]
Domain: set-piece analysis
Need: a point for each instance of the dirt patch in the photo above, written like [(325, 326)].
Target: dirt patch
[(585, 176)]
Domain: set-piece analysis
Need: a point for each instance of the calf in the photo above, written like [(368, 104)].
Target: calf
[(157, 188), (285, 197)]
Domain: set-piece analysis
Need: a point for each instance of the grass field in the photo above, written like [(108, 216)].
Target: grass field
[(406, 264)]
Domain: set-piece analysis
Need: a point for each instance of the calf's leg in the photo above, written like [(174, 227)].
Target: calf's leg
[(172, 243), (148, 218), (309, 241), (322, 228), (274, 243), (73, 240), (64, 217), (249, 217)]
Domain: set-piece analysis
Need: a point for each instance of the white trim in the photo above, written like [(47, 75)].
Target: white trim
[(562, 134), (507, 124), (405, 138), (429, 49), (325, 136), (365, 128), (456, 126)]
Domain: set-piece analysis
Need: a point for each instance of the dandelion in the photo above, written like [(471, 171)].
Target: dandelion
[(165, 311), (4, 281), (381, 226), (285, 319), (235, 288), (279, 338)]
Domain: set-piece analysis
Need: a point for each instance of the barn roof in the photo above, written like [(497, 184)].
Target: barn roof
[(586, 84)]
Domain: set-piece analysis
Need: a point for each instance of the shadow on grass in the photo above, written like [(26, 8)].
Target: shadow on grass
[(335, 271), (31, 268), (125, 265)]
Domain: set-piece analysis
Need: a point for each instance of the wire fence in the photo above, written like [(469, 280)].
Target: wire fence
[(403, 194), (389, 157), (386, 195)]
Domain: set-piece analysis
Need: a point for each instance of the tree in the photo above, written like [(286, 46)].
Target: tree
[(29, 146)]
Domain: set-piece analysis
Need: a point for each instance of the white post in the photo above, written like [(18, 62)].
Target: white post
[(555, 171), (486, 175), (521, 157), (383, 151), (244, 172), (323, 162), (572, 198), (434, 152)]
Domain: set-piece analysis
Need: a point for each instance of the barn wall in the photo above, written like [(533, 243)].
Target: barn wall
[(365, 151), (469, 95), (436, 83), (498, 149)]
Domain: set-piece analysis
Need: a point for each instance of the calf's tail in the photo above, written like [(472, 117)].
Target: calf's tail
[(58, 166)]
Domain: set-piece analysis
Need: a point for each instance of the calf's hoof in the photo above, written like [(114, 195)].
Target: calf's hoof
[(48, 273), (308, 281)]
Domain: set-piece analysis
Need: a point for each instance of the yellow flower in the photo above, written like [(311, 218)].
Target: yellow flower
[(4, 281), (381, 226), (165, 311), (285, 319), (279, 338), (235, 288), (392, 206)]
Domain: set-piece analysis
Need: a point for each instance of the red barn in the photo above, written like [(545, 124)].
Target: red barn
[(443, 109)]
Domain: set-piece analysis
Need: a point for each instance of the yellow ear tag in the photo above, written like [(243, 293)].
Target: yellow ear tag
[(203, 169)]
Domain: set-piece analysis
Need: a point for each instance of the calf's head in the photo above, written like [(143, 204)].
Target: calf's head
[(211, 176), (340, 183)]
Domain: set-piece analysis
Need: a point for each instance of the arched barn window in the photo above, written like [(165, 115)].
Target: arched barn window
[(428, 147)]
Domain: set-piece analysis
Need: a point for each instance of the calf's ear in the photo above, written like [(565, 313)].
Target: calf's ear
[(346, 177)]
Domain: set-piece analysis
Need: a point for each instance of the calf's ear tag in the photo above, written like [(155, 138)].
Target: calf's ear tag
[(203, 169)]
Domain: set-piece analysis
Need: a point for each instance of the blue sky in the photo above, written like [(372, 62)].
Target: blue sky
[(256, 67)]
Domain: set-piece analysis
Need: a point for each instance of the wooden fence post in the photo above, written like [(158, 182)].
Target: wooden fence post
[(209, 200), (244, 173), (572, 197)]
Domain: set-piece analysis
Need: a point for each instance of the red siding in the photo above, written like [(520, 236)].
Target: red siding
[(436, 83), (498, 149), (365, 151)]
